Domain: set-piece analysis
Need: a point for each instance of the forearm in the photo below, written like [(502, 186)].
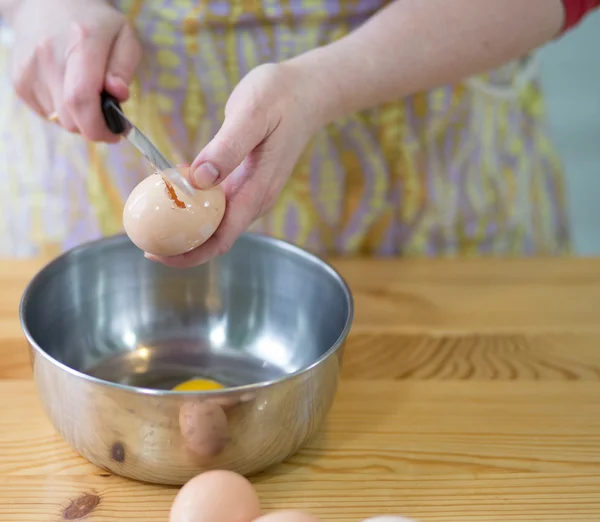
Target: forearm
[(413, 45)]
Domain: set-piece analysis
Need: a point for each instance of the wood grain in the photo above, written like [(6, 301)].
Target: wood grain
[(502, 357), (347, 498), (474, 296), (470, 393)]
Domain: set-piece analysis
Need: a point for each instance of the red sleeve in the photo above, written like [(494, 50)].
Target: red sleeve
[(576, 10)]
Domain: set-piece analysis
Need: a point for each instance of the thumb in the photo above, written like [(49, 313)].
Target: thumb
[(239, 135), (122, 63)]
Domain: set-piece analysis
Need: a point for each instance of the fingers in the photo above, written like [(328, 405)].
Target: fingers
[(238, 137), (117, 87), (122, 63), (26, 85), (53, 72), (243, 203), (60, 108), (122, 60), (234, 224), (83, 83), (61, 68), (250, 190)]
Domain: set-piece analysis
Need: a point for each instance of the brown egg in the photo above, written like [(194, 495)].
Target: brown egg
[(216, 496), (288, 516), (203, 426), (162, 220)]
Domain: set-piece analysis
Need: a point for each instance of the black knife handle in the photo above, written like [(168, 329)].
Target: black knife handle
[(112, 118)]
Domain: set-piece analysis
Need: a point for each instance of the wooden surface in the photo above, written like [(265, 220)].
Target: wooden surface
[(470, 392)]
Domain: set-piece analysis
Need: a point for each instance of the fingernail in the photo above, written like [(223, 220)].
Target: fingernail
[(116, 80), (205, 175)]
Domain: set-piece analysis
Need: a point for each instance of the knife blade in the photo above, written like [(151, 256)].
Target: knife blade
[(118, 123)]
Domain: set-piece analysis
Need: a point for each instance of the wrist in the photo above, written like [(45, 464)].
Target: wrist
[(315, 84)]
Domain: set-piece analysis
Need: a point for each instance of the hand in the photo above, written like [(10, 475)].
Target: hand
[(269, 119), (65, 53)]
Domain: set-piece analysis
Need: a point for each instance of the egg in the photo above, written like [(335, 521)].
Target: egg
[(162, 220), (288, 516), (216, 496), (192, 385), (203, 426)]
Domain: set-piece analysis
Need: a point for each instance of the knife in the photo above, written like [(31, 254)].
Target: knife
[(118, 123)]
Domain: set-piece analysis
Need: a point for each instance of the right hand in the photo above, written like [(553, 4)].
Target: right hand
[(65, 53)]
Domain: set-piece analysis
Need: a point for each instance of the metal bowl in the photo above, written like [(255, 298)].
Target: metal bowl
[(111, 333)]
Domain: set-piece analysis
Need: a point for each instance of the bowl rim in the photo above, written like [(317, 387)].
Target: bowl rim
[(236, 390)]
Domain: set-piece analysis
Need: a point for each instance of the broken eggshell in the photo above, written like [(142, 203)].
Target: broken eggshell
[(164, 221)]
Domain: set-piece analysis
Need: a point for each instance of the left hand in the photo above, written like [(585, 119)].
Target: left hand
[(269, 119)]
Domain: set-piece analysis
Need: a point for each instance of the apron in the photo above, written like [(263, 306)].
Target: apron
[(467, 169)]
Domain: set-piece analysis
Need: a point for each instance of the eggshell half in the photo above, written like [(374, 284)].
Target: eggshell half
[(162, 225), (216, 496)]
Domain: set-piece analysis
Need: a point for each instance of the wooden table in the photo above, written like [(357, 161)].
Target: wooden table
[(470, 393)]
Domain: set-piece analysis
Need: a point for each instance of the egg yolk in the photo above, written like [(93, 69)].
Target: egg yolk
[(198, 385)]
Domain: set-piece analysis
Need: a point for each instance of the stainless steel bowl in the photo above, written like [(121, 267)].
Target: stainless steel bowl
[(111, 333)]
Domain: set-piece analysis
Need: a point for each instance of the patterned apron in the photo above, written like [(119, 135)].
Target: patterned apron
[(467, 169)]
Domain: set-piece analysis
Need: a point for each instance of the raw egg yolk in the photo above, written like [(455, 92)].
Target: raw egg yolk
[(198, 385)]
